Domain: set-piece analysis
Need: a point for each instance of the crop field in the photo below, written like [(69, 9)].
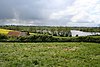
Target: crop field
[(68, 54), (4, 31)]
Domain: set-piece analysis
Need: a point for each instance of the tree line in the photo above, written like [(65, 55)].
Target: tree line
[(50, 28), (46, 38)]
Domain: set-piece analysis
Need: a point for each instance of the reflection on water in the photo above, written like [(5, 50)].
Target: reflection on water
[(81, 33)]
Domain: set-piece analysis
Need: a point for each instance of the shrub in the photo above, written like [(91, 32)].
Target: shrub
[(3, 37)]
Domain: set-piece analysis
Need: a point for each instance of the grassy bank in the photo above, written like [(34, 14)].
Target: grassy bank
[(50, 54)]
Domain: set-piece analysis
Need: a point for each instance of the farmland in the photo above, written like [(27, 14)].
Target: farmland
[(44, 37), (50, 54), (4, 31)]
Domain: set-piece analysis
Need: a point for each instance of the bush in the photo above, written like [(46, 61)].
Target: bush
[(3, 37)]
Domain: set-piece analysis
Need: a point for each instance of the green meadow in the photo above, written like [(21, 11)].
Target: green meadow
[(68, 54)]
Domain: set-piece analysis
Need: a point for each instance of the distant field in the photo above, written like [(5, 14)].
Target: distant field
[(4, 31), (50, 54)]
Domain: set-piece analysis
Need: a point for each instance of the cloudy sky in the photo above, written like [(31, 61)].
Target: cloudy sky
[(50, 12)]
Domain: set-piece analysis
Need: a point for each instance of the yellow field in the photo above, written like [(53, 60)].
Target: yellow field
[(4, 31)]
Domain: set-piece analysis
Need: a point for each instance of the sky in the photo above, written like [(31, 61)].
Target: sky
[(85, 13)]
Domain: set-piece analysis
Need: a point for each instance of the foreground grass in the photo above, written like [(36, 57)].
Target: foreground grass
[(50, 54)]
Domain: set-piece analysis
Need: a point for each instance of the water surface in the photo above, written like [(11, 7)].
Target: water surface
[(81, 33)]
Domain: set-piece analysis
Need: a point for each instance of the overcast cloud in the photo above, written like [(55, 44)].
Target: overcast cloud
[(50, 12)]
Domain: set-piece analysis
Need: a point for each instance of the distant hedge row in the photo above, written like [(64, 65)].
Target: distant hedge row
[(46, 38)]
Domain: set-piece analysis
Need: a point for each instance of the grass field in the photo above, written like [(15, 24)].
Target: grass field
[(50, 54)]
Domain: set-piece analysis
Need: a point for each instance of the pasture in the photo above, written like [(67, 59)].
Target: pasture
[(68, 54)]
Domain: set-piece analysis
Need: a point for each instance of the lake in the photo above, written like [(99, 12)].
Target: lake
[(81, 33)]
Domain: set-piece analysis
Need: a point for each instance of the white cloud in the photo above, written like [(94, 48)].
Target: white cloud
[(82, 24), (81, 11), (20, 22), (58, 15), (82, 16)]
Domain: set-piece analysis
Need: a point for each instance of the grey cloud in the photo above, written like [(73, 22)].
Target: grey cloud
[(35, 10), (27, 9)]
